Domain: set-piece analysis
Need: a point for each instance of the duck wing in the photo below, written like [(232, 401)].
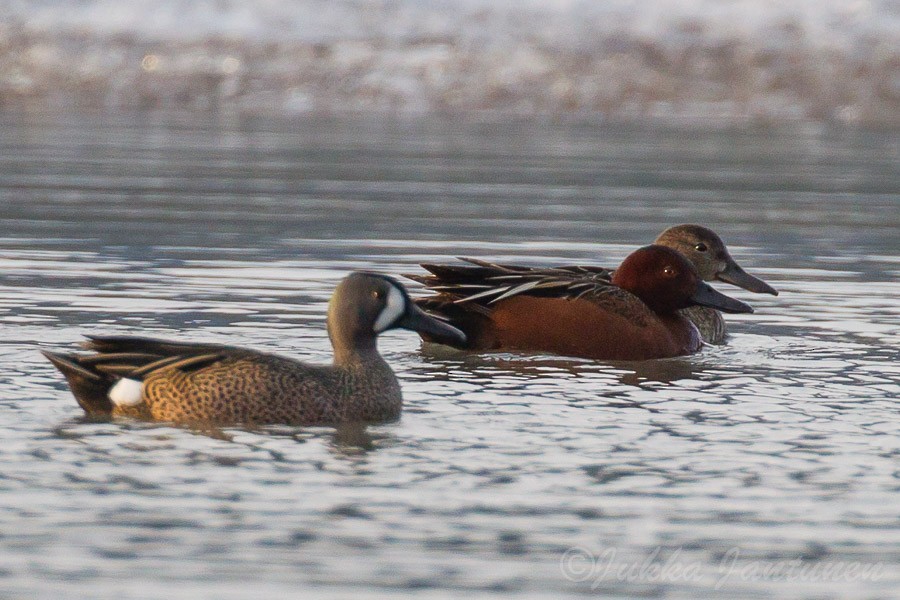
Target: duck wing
[(91, 376), (484, 283)]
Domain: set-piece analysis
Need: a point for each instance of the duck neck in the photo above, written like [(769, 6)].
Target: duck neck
[(369, 389), (361, 353)]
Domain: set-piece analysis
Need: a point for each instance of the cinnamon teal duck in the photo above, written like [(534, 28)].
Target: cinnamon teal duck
[(703, 248), (629, 314), (209, 383)]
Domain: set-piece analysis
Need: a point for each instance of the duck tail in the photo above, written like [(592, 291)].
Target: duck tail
[(90, 387)]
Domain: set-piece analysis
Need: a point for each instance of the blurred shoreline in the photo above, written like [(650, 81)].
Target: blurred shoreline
[(731, 62)]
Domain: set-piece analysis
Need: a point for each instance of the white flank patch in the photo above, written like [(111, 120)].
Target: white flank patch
[(127, 392), (393, 310)]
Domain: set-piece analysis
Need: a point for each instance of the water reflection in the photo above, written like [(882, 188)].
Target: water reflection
[(445, 364), (781, 443)]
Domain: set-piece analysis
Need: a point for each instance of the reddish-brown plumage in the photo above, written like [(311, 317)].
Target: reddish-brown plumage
[(701, 246), (588, 329), (633, 318), (659, 276)]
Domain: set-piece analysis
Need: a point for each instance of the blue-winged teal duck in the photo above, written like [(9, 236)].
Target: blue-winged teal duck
[(703, 248), (632, 315), (207, 383)]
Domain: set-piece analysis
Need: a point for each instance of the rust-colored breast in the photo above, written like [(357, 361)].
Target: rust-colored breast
[(585, 328)]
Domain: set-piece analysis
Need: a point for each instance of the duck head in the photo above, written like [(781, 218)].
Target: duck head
[(666, 281), (707, 252), (365, 305)]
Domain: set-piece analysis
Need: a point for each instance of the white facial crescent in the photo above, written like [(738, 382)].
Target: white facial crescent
[(392, 311)]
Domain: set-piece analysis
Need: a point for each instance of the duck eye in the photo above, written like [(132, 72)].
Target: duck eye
[(701, 247), (378, 294), (669, 271)]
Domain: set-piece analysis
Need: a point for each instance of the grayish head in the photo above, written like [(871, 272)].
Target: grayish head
[(707, 252), (367, 304)]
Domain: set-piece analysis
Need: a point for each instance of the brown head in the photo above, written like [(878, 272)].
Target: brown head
[(665, 281), (707, 252), (367, 304)]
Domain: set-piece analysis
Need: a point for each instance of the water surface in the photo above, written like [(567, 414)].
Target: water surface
[(508, 475)]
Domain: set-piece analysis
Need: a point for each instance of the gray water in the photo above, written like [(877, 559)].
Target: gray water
[(764, 468)]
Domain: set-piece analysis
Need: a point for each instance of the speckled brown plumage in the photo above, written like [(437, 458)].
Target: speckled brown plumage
[(242, 386), (206, 383)]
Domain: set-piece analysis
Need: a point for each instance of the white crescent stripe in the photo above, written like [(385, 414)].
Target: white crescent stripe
[(392, 311)]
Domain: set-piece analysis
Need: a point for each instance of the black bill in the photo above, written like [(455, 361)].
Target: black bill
[(705, 295), (735, 275), (436, 330)]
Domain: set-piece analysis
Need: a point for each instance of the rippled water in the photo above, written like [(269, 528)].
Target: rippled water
[(708, 476)]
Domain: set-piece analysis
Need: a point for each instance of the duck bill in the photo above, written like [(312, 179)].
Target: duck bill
[(735, 275), (705, 295), (418, 320)]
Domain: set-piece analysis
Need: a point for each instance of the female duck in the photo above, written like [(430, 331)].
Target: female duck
[(632, 317), (184, 382), (707, 252)]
